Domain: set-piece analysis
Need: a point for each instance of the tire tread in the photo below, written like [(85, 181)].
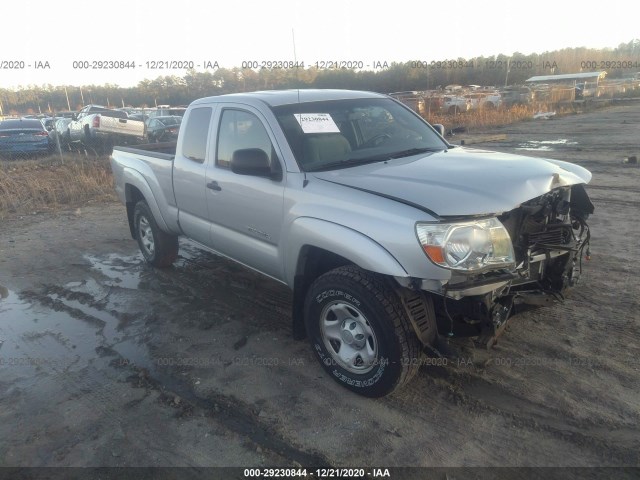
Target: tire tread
[(381, 288)]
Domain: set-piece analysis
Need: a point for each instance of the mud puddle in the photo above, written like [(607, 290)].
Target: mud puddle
[(546, 145), (77, 338)]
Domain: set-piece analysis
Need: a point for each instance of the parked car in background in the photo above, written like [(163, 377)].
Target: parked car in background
[(66, 114), (60, 131), (516, 95), (23, 137), (142, 117), (163, 129), (48, 123), (486, 100), (455, 104), (167, 110), (413, 100)]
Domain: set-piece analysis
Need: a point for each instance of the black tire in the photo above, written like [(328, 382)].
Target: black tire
[(371, 310), (163, 247)]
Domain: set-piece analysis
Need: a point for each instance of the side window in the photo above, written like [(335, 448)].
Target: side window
[(239, 130), (196, 132)]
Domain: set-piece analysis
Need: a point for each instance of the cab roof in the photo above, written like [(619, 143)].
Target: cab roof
[(275, 98)]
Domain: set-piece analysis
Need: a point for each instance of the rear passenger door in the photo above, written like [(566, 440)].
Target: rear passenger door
[(245, 211), (189, 174)]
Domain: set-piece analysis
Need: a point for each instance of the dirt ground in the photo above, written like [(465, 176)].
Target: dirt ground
[(109, 362)]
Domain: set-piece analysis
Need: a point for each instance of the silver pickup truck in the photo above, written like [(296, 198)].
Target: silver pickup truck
[(390, 238)]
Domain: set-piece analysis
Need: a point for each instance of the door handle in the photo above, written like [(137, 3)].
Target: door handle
[(213, 185)]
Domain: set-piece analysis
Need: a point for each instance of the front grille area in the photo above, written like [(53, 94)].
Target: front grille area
[(549, 236)]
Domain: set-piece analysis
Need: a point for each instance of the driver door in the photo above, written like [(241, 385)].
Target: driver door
[(245, 211)]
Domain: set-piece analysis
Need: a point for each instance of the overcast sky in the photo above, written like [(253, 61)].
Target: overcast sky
[(61, 32)]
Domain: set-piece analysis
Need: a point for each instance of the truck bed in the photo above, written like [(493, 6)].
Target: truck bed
[(163, 151), (111, 124)]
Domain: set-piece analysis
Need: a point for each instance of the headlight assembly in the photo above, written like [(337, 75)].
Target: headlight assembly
[(467, 246)]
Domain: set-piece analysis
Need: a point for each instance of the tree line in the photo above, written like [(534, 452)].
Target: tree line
[(418, 74)]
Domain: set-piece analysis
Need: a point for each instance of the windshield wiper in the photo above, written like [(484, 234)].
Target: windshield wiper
[(349, 162), (413, 151)]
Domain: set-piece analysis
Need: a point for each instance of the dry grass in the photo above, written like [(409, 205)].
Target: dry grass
[(28, 186), (485, 119)]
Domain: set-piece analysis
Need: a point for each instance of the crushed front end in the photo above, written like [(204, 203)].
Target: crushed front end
[(549, 238)]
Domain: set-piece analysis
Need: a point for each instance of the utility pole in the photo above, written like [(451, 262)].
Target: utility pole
[(67, 95), (506, 78)]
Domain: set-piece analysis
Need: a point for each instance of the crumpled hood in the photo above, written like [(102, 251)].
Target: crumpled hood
[(461, 181)]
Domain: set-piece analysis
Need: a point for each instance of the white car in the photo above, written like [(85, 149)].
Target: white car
[(485, 100), (455, 104)]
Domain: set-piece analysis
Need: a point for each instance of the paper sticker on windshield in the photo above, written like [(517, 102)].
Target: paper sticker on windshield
[(316, 123)]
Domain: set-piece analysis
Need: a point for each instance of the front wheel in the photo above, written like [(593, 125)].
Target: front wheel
[(159, 248), (360, 332)]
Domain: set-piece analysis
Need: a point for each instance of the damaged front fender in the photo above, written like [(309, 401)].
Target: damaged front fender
[(550, 236)]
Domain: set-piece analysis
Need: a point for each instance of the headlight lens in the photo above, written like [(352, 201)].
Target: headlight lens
[(467, 246)]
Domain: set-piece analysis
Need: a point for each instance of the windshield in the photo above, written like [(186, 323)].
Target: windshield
[(343, 133), (170, 120)]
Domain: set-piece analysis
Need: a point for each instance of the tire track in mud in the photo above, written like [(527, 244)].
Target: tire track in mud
[(231, 413), (466, 392), (93, 398), (91, 391)]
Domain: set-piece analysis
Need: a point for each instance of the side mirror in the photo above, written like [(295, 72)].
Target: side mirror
[(252, 161), (439, 128), (74, 116)]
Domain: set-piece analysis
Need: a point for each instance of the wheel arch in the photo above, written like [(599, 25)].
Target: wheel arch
[(136, 189), (318, 246)]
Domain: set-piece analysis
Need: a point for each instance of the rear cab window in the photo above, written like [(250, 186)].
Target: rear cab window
[(196, 134)]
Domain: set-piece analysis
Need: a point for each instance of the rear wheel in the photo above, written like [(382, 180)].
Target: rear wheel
[(159, 248), (360, 332)]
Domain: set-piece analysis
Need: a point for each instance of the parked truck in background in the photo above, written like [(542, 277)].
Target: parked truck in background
[(386, 234), (99, 126)]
